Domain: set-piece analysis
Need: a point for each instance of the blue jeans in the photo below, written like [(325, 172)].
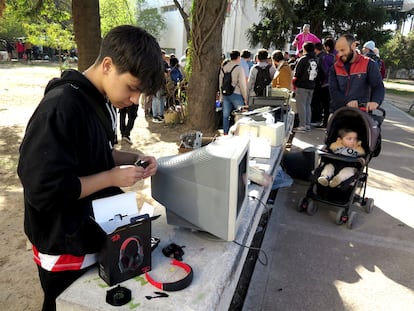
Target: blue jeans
[(158, 103), (230, 102), (303, 105)]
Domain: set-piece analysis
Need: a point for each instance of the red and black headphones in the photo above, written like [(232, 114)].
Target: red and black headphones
[(132, 260), (174, 286)]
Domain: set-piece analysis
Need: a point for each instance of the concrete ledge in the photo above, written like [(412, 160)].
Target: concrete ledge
[(217, 264)]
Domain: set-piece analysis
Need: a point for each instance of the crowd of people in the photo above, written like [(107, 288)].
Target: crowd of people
[(24, 51), (322, 76)]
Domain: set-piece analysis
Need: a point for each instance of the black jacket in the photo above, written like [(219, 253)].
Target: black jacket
[(64, 140), (305, 73)]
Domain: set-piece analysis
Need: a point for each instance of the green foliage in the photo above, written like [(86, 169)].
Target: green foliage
[(10, 26), (151, 21), (271, 31), (124, 14), (399, 52), (44, 22), (130, 12), (358, 17), (51, 35), (282, 20)]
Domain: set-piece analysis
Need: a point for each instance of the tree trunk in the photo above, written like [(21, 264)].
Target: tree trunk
[(87, 28), (206, 42)]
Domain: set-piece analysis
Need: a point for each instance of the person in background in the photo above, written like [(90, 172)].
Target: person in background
[(159, 99), (382, 63), (262, 58), (304, 36), (368, 50), (283, 75), (316, 106), (304, 77), (9, 48), (28, 50), (239, 97), (327, 62), (67, 156), (126, 126), (292, 61), (175, 73), (245, 62), (354, 79), (19, 49), (183, 59)]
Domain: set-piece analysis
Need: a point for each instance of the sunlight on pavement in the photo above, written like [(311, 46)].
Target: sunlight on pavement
[(395, 203), (381, 291)]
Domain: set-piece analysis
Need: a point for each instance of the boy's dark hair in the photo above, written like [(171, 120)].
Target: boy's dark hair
[(318, 46), (234, 54), (135, 51), (246, 54), (309, 47), (173, 61), (262, 54), (277, 55), (329, 43)]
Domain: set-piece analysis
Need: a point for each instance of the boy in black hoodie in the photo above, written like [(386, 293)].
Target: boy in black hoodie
[(67, 157)]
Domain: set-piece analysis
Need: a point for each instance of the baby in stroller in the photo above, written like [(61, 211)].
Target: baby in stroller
[(347, 144), (353, 138)]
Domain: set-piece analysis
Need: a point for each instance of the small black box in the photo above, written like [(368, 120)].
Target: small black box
[(127, 252), (127, 249)]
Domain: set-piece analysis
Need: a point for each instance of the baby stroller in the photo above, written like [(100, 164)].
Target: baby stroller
[(351, 192)]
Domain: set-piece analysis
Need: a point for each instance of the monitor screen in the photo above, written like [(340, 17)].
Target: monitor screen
[(206, 188), (264, 101)]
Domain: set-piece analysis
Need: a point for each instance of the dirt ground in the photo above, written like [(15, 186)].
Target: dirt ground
[(21, 89)]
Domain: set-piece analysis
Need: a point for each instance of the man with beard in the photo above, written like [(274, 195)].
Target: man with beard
[(354, 79)]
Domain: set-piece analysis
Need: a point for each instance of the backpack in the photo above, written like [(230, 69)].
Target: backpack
[(263, 79), (227, 87)]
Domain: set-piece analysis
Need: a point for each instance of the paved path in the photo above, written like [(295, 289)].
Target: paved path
[(317, 265)]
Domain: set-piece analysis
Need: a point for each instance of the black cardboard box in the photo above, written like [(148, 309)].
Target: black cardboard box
[(127, 250)]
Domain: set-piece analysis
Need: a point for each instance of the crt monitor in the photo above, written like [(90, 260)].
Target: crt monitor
[(206, 188)]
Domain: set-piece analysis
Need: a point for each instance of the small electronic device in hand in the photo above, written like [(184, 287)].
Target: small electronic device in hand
[(141, 163)]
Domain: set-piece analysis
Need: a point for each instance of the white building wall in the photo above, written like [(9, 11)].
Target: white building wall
[(240, 15), (173, 39)]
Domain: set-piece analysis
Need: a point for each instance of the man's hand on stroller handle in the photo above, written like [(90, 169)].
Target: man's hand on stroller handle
[(369, 106)]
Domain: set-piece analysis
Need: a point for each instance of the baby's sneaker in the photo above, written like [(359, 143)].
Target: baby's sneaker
[(323, 180), (335, 182)]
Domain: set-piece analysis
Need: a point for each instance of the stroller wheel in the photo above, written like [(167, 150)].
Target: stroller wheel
[(351, 220), (312, 207), (341, 217), (303, 204), (368, 205)]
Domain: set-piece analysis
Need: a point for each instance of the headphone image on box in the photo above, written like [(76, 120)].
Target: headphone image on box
[(132, 259)]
